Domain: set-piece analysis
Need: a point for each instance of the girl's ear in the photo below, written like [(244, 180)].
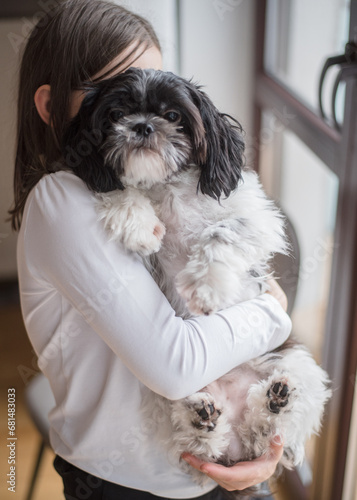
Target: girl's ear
[(42, 99), (221, 155)]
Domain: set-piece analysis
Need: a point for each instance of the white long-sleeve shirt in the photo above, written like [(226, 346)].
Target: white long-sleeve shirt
[(105, 335)]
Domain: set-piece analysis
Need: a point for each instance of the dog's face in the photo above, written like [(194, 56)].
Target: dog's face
[(142, 126), (152, 127)]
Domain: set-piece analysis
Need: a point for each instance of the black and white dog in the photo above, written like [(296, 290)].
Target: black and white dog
[(168, 170)]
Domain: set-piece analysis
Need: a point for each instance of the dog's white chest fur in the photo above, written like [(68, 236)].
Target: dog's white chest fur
[(213, 254), (205, 240)]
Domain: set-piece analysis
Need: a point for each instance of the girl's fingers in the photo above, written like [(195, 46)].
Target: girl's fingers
[(193, 461), (243, 474), (276, 291)]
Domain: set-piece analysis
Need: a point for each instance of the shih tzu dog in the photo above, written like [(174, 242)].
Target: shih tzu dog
[(168, 170)]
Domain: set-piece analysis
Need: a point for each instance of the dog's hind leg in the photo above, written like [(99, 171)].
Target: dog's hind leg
[(200, 426), (288, 401)]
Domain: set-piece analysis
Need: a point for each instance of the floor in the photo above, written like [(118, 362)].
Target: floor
[(18, 366), (17, 363)]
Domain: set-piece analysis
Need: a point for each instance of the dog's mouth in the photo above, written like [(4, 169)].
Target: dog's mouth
[(151, 143)]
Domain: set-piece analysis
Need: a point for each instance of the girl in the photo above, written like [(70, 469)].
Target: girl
[(104, 333)]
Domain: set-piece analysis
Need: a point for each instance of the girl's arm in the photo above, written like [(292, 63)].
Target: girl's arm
[(68, 252)]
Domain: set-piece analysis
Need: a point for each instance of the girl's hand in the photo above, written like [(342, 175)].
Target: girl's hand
[(278, 293), (244, 474)]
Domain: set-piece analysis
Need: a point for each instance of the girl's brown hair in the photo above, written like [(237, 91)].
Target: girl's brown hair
[(75, 41)]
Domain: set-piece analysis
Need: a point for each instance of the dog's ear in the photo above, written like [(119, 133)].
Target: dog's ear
[(81, 146), (220, 154)]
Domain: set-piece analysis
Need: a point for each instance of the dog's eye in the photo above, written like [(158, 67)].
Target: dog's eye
[(115, 115), (172, 116)]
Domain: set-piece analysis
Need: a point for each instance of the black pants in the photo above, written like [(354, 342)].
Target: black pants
[(79, 485)]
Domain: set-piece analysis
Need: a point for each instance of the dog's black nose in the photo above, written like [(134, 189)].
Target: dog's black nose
[(143, 129)]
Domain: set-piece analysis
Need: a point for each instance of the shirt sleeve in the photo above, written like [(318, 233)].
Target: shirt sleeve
[(69, 251)]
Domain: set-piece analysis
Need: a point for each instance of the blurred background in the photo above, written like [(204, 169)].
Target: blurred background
[(262, 62)]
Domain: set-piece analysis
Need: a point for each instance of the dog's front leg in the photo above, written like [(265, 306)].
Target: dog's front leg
[(218, 272), (130, 217)]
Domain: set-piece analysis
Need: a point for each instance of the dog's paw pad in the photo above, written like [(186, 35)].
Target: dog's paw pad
[(205, 414), (278, 396)]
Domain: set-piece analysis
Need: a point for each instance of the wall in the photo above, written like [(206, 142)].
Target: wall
[(209, 40), (9, 67), (162, 15), (217, 50)]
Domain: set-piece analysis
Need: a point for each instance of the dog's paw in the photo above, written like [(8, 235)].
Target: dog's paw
[(201, 298), (129, 216), (204, 412), (278, 396), (145, 239), (204, 300)]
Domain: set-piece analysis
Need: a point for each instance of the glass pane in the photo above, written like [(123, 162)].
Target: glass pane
[(300, 36), (307, 192)]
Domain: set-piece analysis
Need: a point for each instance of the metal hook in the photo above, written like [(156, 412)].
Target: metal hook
[(331, 61), (348, 69), (344, 73)]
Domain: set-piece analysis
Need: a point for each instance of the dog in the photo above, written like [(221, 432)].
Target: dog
[(168, 170)]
